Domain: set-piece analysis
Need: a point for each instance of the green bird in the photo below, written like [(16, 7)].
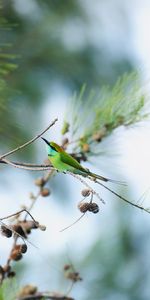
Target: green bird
[(63, 162)]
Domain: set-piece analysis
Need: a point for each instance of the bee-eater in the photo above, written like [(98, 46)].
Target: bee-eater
[(63, 162)]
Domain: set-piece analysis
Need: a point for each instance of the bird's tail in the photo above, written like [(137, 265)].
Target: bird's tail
[(96, 176)]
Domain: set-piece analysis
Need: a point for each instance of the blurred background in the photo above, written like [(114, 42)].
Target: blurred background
[(52, 48)]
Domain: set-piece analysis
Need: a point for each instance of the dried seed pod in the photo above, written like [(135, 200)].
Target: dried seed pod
[(23, 248), (6, 231), (7, 268), (15, 255), (65, 142), (39, 181), (28, 225), (11, 274), (93, 207), (73, 276), (67, 267), (85, 147), (27, 290), (45, 192), (18, 247), (97, 136), (86, 192), (42, 227), (18, 229), (83, 206)]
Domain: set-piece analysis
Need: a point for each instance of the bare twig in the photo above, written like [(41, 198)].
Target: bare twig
[(122, 198), (30, 141), (14, 231), (18, 213), (45, 180), (85, 184), (76, 221), (36, 167), (46, 296), (28, 166), (17, 234), (42, 167)]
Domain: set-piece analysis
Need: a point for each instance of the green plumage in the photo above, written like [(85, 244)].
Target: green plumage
[(63, 162)]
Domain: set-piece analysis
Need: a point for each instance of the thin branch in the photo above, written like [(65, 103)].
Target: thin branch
[(72, 284), (17, 235), (85, 184), (35, 167), (45, 180), (30, 141), (28, 166), (10, 228), (122, 198), (18, 213), (46, 296), (76, 221)]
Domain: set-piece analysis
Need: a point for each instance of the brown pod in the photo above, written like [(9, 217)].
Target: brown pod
[(15, 255), (11, 274), (42, 227), (74, 276), (97, 136), (93, 207), (28, 225), (65, 143), (67, 267), (39, 181), (28, 290), (18, 229), (83, 206), (85, 147), (7, 268), (45, 192), (86, 192), (23, 248), (6, 231)]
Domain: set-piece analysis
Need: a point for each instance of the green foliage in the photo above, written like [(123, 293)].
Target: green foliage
[(95, 115), (7, 65), (8, 289), (9, 109), (54, 49), (53, 41)]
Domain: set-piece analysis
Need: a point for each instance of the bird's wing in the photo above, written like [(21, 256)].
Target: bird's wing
[(69, 160)]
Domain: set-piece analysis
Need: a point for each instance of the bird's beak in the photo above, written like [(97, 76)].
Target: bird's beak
[(46, 141)]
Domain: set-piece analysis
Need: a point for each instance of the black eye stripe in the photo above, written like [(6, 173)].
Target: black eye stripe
[(53, 148)]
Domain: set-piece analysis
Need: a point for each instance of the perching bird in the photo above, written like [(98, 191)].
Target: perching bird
[(63, 162)]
